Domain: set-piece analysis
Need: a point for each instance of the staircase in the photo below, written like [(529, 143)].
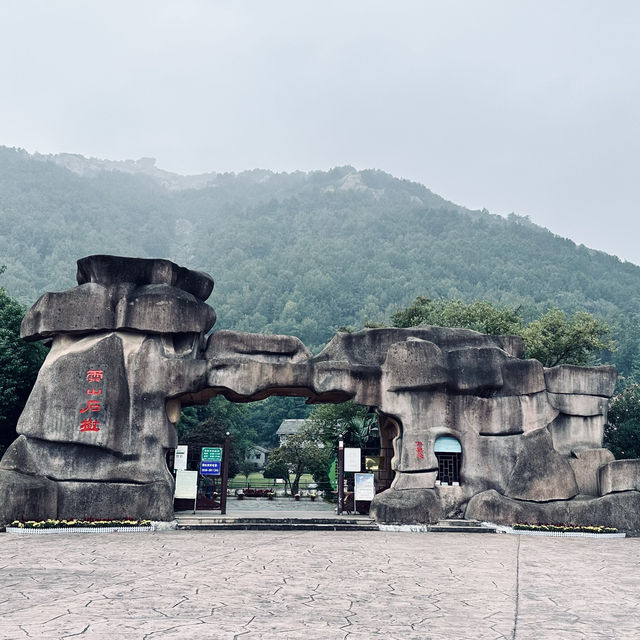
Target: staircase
[(461, 526), (208, 523)]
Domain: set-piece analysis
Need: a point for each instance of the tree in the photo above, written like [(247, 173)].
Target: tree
[(301, 452), (552, 339), (480, 316), (247, 467), (207, 425), (555, 339), (622, 433), (277, 469), (351, 422), (19, 365)]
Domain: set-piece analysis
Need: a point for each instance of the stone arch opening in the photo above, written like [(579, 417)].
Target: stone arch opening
[(378, 455)]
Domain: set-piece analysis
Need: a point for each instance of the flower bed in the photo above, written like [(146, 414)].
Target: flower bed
[(78, 526), (258, 493), (565, 530)]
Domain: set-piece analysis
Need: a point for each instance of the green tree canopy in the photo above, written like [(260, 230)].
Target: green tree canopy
[(557, 339), (622, 433), (207, 425), (301, 452), (554, 338), (19, 365), (351, 422), (480, 316)]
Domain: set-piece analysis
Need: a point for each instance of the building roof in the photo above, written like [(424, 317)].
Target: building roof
[(289, 427), (257, 447)]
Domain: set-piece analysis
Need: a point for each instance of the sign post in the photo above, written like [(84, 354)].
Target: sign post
[(180, 458), (340, 475), (364, 487), (352, 456), (210, 468), (211, 454), (225, 474), (187, 486)]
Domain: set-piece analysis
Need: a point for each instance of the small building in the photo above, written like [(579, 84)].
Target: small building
[(258, 455), (288, 428)]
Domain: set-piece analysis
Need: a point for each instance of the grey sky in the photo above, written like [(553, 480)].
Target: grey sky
[(532, 107)]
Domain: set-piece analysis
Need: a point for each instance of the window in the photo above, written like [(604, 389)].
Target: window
[(449, 453)]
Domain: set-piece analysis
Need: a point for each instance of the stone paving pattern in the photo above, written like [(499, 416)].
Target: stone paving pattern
[(312, 585)]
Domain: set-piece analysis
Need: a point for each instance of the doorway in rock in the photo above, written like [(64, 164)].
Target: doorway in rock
[(258, 424)]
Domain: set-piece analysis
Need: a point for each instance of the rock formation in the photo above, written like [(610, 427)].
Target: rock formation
[(129, 349)]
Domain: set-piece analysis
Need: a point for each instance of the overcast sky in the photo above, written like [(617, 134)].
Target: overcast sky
[(531, 107)]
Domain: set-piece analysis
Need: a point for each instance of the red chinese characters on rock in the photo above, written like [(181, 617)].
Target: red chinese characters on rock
[(89, 425), (94, 376), (419, 450)]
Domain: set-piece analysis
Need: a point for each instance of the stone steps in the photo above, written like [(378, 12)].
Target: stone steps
[(208, 523), (461, 526), (275, 524)]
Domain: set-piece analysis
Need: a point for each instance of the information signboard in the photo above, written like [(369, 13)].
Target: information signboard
[(211, 454), (364, 486), (352, 459), (180, 458), (210, 468), (186, 484)]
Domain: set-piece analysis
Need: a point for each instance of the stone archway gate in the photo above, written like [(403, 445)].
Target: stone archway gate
[(129, 348)]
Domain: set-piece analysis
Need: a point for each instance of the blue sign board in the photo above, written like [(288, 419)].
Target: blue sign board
[(210, 468)]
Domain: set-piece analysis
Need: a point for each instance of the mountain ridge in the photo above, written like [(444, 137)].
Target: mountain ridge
[(300, 253)]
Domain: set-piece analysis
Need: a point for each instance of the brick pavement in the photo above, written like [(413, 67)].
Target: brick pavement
[(311, 585)]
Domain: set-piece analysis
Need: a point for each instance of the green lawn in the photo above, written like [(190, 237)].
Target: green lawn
[(256, 480)]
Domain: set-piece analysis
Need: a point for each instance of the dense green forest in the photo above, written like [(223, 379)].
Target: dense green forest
[(302, 253)]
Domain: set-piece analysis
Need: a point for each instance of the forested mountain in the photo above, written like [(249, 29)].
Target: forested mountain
[(299, 253)]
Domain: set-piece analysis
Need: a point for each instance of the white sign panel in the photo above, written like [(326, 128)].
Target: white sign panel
[(364, 487), (352, 459), (186, 484), (180, 459)]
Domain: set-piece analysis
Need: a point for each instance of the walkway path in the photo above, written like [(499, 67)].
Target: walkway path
[(318, 586), (278, 508)]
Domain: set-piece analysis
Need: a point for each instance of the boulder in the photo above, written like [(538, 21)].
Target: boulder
[(590, 381), (61, 407), (85, 309), (114, 270), (503, 415), (620, 475), (571, 433), (159, 308), (91, 307), (488, 462), (411, 506), (370, 346), (490, 506), (274, 349), (618, 510), (586, 468), (522, 377), (116, 500), (149, 295), (540, 473), (70, 461), (475, 370), (420, 480), (26, 497), (424, 419), (414, 364), (579, 405)]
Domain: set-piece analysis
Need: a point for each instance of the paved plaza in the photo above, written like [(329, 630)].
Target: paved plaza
[(318, 585)]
